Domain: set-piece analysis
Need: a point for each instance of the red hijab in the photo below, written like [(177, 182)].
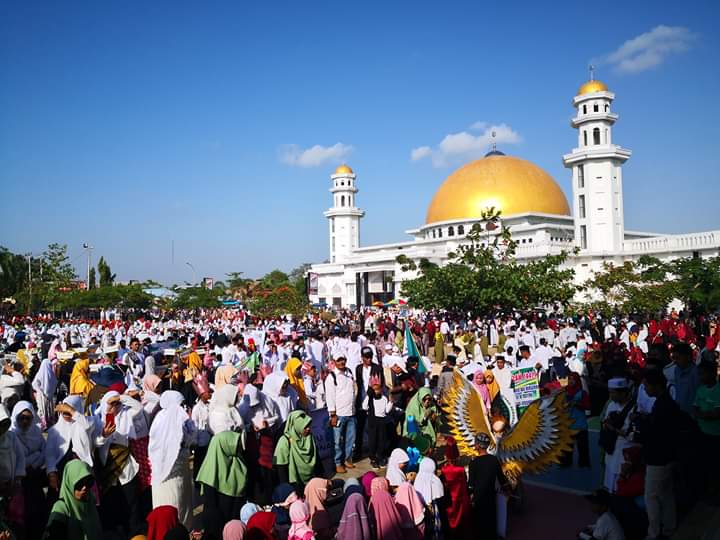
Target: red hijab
[(160, 521), (261, 526)]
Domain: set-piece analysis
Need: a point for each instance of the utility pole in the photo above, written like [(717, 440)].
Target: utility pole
[(29, 258), (89, 249), (194, 273)]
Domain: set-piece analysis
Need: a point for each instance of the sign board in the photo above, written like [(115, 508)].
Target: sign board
[(322, 433), (526, 386), (313, 279)]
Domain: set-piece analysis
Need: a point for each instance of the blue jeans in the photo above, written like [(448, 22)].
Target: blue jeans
[(345, 429)]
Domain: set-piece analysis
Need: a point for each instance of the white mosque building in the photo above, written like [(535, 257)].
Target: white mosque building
[(532, 205)]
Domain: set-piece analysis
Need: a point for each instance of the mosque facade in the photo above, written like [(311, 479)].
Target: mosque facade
[(532, 204)]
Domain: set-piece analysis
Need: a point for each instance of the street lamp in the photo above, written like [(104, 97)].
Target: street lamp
[(193, 271), (89, 249)]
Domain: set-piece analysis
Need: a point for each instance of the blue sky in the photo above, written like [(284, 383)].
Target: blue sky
[(131, 124)]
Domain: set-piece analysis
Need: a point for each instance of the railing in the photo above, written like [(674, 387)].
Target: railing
[(674, 242)]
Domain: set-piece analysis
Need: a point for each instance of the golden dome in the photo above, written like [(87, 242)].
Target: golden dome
[(343, 169), (510, 184), (592, 86)]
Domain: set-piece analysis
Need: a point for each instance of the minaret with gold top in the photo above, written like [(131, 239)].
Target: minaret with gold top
[(343, 216), (596, 165)]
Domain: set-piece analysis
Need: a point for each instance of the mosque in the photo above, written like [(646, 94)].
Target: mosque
[(532, 205)]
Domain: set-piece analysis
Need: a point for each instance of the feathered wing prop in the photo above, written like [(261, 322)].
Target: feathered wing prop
[(542, 434)]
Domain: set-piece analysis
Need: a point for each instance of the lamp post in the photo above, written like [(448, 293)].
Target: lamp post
[(193, 271), (89, 249)]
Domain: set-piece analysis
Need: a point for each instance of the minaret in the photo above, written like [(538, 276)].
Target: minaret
[(596, 166), (343, 216)]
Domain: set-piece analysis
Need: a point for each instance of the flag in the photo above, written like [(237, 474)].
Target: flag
[(411, 348), (251, 363)]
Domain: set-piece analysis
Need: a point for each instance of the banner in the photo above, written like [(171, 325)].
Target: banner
[(526, 386), (313, 279), (322, 433)]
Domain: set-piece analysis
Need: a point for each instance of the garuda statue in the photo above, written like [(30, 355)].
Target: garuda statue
[(539, 438)]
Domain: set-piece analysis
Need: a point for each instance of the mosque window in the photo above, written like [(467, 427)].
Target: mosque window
[(529, 240), (439, 233), (581, 205), (461, 229), (595, 108), (342, 200), (584, 109), (433, 233), (451, 231), (332, 224), (606, 107), (581, 176), (585, 137), (596, 135), (583, 236)]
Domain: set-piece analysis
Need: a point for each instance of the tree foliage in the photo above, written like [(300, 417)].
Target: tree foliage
[(104, 273), (196, 297), (484, 276), (116, 296), (280, 301), (92, 281)]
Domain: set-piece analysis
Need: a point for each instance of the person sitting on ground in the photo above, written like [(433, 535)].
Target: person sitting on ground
[(607, 527)]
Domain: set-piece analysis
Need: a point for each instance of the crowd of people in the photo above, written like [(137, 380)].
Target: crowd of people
[(217, 425)]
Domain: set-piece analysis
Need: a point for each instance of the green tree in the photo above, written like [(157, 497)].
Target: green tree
[(196, 297), (105, 273), (279, 301), (297, 277), (13, 273), (235, 280), (54, 276), (92, 281), (483, 275), (273, 280)]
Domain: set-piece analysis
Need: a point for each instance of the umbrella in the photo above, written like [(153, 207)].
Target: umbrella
[(378, 304)]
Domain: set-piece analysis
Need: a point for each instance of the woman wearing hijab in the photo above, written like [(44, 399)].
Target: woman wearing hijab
[(261, 527), (397, 462), (482, 388), (223, 477), (151, 396), (315, 496), (277, 387), (424, 413), (350, 486), (366, 482), (24, 424), (74, 516), (295, 455), (224, 414), (354, 523), (234, 530), (578, 402), (293, 369), (171, 436), (439, 347), (160, 521), (384, 515), (300, 515), (224, 375), (80, 383), (492, 386), (71, 437), (457, 499), (431, 491), (193, 367), (261, 418), (411, 510), (282, 497), (248, 510), (44, 385)]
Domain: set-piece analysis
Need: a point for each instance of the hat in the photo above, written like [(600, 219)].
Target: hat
[(482, 440), (618, 383), (367, 352), (599, 496)]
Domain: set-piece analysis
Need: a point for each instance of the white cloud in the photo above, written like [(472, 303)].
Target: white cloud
[(649, 49), (463, 146), (292, 154)]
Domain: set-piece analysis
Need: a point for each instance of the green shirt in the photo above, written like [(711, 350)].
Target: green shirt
[(708, 399)]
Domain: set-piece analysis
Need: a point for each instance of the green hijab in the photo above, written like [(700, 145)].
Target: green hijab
[(83, 522), (296, 450), (223, 469), (415, 408)]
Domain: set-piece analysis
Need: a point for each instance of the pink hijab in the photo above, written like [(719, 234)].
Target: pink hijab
[(366, 481), (299, 516), (479, 382), (384, 512), (410, 508), (315, 495), (234, 530)]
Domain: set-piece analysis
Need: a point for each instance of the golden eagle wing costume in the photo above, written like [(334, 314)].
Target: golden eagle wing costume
[(542, 434)]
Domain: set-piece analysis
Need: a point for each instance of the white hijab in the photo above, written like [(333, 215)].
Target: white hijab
[(32, 439), (394, 474), (166, 435), (45, 380), (257, 408), (271, 387), (224, 414), (427, 484), (76, 431)]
